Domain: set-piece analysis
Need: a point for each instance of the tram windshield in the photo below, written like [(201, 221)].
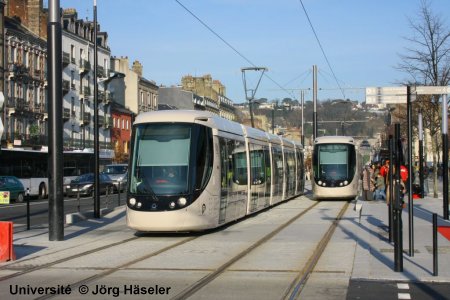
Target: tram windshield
[(334, 162), (170, 159)]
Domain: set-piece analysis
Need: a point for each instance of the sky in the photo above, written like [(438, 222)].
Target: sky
[(362, 41)]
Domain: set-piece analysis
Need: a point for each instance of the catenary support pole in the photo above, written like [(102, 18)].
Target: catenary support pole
[(96, 133), (314, 102)]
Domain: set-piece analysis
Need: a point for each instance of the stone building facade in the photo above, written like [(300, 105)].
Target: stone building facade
[(25, 111), (140, 94)]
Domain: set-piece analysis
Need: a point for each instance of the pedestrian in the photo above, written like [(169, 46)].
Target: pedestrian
[(380, 185), (308, 174), (402, 187), (426, 172), (368, 186)]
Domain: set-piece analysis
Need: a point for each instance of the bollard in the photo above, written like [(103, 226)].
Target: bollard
[(78, 197), (118, 194), (27, 196), (6, 242), (435, 246), (107, 196)]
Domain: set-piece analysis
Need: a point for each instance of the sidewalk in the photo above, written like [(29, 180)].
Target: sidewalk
[(374, 255)]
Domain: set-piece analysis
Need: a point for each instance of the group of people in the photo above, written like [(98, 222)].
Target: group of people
[(375, 178)]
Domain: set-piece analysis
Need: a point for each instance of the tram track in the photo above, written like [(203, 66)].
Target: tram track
[(293, 288), (300, 281), (221, 269), (50, 264), (122, 266)]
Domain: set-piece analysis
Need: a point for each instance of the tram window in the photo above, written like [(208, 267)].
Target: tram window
[(204, 157), (240, 164), (257, 164)]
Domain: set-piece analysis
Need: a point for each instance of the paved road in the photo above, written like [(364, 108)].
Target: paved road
[(17, 212)]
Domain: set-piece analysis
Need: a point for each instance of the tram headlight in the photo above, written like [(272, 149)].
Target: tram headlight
[(132, 201), (139, 205), (182, 201), (324, 184), (320, 182), (172, 205), (346, 182), (341, 184)]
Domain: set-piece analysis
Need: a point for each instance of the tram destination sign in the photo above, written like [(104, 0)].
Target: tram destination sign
[(430, 90)]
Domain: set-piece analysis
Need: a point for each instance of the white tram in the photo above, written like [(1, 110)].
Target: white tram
[(336, 168), (192, 170)]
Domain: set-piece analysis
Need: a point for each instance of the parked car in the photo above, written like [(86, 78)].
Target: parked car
[(84, 184), (14, 186), (118, 173)]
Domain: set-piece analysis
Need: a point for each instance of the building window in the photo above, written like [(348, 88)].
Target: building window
[(72, 79), (12, 56), (72, 53)]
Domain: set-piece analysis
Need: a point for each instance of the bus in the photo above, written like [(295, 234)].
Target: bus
[(31, 166)]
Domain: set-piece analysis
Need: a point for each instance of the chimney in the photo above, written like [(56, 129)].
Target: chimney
[(137, 68), (35, 8)]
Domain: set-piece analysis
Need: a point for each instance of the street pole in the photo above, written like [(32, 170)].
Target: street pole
[(445, 154), (420, 125), (391, 189), (55, 128), (314, 102), (398, 228), (273, 119), (302, 138), (96, 137), (410, 171)]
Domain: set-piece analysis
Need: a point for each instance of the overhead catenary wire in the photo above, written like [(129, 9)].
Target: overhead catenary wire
[(321, 48), (231, 46)]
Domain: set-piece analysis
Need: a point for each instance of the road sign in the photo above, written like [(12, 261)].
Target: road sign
[(386, 91), (430, 90), (4, 197), (386, 95), (389, 99)]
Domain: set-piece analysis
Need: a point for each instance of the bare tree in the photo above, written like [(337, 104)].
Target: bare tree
[(427, 62)]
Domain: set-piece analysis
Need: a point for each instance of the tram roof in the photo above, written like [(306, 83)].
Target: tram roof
[(334, 139), (190, 116), (211, 120), (255, 133)]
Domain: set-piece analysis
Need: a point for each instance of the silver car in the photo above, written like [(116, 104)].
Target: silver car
[(118, 174)]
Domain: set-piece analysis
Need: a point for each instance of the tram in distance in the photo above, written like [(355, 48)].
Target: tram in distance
[(336, 168), (193, 171)]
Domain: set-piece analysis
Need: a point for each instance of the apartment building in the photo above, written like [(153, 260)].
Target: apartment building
[(25, 111), (141, 94), (78, 83)]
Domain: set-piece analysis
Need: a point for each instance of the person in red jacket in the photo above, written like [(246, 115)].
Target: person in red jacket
[(404, 173), (384, 169)]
